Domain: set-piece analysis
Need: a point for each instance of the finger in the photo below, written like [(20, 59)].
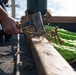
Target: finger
[(16, 31)]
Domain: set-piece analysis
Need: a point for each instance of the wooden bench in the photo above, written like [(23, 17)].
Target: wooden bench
[(48, 60)]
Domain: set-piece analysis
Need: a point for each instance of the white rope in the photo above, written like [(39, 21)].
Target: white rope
[(18, 56)]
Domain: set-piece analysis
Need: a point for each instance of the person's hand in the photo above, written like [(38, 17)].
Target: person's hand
[(9, 26)]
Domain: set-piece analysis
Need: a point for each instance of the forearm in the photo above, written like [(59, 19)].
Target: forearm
[(3, 14)]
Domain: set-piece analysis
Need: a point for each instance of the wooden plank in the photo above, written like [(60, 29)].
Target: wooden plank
[(61, 19), (13, 8), (48, 60)]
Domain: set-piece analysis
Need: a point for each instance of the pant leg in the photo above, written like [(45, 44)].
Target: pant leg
[(7, 37), (2, 38)]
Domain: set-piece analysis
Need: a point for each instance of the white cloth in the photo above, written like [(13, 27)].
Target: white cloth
[(0, 27)]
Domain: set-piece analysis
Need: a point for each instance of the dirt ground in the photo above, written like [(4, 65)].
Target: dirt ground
[(8, 58)]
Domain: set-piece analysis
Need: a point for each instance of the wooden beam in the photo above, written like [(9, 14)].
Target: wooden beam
[(64, 19), (48, 60), (13, 8)]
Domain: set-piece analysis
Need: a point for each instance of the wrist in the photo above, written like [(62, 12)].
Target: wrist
[(3, 14)]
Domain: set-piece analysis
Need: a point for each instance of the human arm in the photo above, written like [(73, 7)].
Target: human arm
[(8, 23)]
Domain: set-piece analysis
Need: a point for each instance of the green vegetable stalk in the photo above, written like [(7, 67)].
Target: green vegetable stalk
[(63, 40)]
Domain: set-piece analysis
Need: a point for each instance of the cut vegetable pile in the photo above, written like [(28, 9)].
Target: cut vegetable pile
[(63, 41)]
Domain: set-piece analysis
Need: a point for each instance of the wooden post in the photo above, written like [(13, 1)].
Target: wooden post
[(13, 8), (48, 60)]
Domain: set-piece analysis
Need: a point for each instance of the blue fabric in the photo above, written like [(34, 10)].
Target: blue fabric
[(2, 4), (1, 40)]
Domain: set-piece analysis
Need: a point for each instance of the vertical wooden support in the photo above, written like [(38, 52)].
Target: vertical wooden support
[(13, 8), (48, 60)]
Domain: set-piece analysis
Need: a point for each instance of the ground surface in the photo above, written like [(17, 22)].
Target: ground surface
[(8, 58)]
